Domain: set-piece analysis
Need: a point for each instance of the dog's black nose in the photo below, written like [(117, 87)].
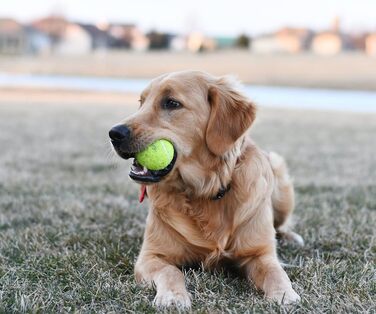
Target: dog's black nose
[(120, 132)]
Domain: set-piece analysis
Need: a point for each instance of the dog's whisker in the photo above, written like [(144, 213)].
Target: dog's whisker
[(112, 157)]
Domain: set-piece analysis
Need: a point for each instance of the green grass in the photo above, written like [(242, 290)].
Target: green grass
[(71, 226)]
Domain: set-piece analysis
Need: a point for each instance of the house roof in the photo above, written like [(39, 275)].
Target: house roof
[(129, 25), (298, 32), (8, 25), (51, 25), (94, 30), (288, 31)]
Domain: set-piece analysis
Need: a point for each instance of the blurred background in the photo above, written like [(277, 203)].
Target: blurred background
[(316, 44)]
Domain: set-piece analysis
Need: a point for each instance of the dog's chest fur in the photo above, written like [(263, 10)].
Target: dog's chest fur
[(206, 225), (211, 227)]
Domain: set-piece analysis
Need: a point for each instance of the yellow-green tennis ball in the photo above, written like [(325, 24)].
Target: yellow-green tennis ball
[(156, 156)]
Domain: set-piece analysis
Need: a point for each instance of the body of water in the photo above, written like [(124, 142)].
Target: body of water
[(271, 96)]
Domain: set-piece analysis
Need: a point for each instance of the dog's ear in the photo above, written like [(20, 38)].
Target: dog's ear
[(231, 114)]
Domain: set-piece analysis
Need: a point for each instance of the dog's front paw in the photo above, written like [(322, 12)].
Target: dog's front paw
[(284, 297), (180, 299)]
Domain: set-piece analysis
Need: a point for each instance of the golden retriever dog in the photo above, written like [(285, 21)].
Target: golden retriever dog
[(221, 197)]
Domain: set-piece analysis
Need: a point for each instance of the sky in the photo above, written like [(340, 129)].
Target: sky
[(220, 17)]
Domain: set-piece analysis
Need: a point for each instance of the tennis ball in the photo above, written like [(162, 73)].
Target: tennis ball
[(156, 156)]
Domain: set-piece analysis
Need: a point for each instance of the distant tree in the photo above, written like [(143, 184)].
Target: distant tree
[(158, 40), (243, 41)]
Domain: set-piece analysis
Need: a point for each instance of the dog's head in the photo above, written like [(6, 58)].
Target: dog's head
[(203, 116)]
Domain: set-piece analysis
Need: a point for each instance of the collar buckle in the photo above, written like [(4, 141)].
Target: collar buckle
[(221, 193)]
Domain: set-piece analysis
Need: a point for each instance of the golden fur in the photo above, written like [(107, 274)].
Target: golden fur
[(185, 225)]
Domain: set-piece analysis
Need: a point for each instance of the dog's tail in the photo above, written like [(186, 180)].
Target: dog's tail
[(283, 199)]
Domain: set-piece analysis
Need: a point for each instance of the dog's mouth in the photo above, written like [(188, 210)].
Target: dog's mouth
[(144, 175)]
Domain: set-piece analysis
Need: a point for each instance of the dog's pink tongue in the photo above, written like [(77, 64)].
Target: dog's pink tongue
[(142, 193)]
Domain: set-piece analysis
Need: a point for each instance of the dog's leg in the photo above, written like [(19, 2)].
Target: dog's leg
[(169, 281), (269, 276), (283, 200), (258, 257)]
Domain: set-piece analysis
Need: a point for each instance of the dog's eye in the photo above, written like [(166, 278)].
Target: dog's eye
[(170, 104)]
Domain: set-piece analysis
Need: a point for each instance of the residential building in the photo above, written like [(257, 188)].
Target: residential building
[(65, 37), (331, 43), (74, 41), (128, 36), (286, 40), (18, 39), (370, 45)]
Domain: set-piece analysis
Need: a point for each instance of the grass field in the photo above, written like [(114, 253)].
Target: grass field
[(71, 226)]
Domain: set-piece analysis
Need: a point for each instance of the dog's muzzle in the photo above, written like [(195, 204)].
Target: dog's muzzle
[(121, 139)]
